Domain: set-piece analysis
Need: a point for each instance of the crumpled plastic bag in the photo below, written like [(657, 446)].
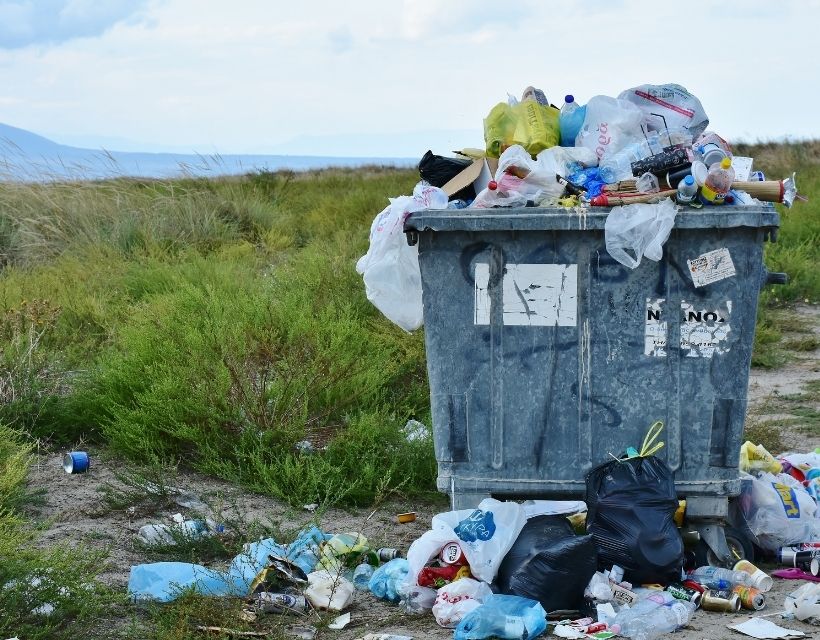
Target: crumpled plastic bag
[(609, 126), (678, 107), (330, 591), (485, 535), (532, 125), (506, 617), (641, 229), (390, 267), (780, 511), (386, 581), (804, 603), (520, 179), (754, 457), (457, 599)]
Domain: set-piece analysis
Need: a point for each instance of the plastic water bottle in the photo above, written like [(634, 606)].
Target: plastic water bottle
[(720, 578), (570, 120), (687, 190), (718, 182), (656, 622), (362, 575), (618, 166)]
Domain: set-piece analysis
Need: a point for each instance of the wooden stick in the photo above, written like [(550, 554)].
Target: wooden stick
[(767, 190)]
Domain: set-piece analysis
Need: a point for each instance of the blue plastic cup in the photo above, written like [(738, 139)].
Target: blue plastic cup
[(76, 462)]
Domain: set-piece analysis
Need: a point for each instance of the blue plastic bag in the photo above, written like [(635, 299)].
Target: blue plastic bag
[(506, 617), (386, 580), (305, 550)]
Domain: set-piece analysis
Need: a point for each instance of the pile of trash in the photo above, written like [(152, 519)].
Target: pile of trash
[(612, 565), (647, 154)]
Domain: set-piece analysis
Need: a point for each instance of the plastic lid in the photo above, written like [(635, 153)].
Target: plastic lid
[(689, 180), (699, 171), (569, 98), (726, 163)]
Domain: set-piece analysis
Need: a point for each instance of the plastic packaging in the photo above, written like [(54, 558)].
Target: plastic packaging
[(804, 603), (485, 535), (549, 563), (648, 183), (329, 591), (570, 120), (668, 106), (519, 179), (390, 268), (641, 229), (718, 182), (687, 190), (720, 578), (658, 621), (609, 126), (388, 578), (632, 503), (456, 600), (532, 125), (506, 617), (171, 534), (415, 599), (361, 576)]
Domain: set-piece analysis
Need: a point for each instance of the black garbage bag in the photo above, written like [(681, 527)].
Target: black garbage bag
[(632, 504), (439, 170), (549, 563)]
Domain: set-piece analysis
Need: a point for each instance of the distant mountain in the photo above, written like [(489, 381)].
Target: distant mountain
[(28, 156)]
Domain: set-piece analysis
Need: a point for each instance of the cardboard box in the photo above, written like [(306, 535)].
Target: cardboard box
[(478, 174)]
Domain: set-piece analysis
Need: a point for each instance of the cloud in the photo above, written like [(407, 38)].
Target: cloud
[(27, 22), (340, 39)]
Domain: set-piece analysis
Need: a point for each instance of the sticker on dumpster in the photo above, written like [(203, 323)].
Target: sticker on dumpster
[(655, 331), (536, 295), (711, 267), (703, 331)]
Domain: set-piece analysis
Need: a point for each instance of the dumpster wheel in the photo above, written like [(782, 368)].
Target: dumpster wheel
[(738, 543)]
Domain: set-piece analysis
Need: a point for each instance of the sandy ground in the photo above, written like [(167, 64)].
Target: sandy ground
[(76, 511)]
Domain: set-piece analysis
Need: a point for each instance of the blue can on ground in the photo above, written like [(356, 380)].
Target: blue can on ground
[(76, 462)]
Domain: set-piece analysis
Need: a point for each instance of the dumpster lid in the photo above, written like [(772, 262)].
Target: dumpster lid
[(580, 219)]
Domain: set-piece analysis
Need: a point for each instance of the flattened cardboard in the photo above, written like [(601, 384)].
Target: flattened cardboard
[(478, 174)]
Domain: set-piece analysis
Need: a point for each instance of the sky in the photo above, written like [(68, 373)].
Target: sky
[(387, 78)]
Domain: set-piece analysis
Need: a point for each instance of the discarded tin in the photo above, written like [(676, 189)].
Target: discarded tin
[(693, 584), (76, 462), (386, 554), (682, 592), (750, 598), (760, 579), (720, 600), (404, 518), (451, 553), (268, 602)]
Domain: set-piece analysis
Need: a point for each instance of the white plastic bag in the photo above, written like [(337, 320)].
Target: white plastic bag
[(804, 603), (520, 179), (457, 599), (640, 228), (390, 267), (609, 126), (558, 160), (781, 512), (485, 535), (678, 107)]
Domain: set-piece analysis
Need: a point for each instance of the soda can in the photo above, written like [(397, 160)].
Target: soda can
[(76, 462), (268, 602), (451, 553), (796, 555), (720, 600), (682, 592), (750, 597), (386, 554)]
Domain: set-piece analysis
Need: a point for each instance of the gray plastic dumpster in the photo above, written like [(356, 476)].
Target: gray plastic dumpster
[(545, 355)]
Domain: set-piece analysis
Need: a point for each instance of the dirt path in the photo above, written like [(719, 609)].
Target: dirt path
[(105, 508)]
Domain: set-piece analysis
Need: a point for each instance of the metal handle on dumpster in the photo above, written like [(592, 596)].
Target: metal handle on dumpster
[(773, 277)]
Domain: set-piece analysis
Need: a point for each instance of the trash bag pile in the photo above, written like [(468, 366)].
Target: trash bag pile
[(646, 154)]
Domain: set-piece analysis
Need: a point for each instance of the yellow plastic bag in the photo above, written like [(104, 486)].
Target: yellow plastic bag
[(754, 457), (532, 125)]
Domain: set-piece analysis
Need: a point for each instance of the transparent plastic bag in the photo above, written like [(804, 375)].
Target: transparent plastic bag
[(386, 581), (780, 512), (641, 229), (390, 267), (668, 106), (520, 179), (609, 126), (457, 599), (506, 617)]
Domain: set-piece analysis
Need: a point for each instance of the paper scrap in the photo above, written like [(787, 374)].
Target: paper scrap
[(566, 631), (341, 622), (711, 267), (764, 629)]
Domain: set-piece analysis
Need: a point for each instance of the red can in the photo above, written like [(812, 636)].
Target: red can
[(451, 553)]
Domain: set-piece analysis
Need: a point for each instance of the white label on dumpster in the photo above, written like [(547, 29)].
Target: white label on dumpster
[(482, 293), (535, 295), (655, 332), (702, 331), (711, 267)]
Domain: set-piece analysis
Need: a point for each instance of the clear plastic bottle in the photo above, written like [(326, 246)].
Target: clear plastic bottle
[(656, 622), (570, 120), (720, 578), (687, 190), (362, 575), (718, 182)]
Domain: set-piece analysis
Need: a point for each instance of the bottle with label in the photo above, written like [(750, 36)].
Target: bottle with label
[(718, 182), (687, 190), (570, 120), (720, 578)]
